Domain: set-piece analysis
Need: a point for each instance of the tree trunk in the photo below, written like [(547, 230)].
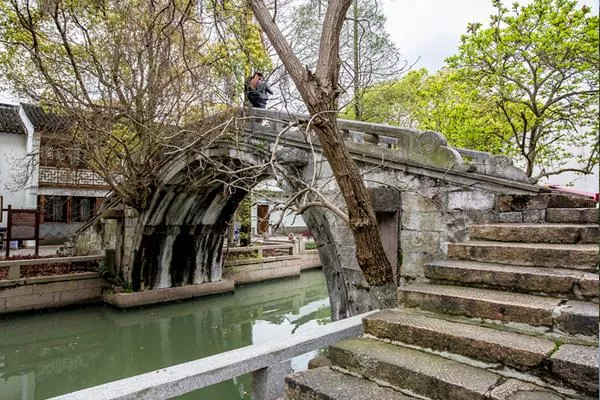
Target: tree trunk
[(319, 92)]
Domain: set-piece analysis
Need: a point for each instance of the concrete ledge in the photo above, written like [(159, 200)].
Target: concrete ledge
[(260, 260), (127, 300), (310, 260), (27, 294), (263, 274)]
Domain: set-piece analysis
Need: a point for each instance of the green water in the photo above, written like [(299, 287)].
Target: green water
[(44, 355)]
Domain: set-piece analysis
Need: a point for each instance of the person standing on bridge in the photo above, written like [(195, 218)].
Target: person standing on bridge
[(256, 90)]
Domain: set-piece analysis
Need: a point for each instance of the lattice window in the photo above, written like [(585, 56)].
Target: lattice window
[(56, 208), (82, 208)]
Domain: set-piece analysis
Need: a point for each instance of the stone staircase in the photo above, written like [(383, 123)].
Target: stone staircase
[(511, 314)]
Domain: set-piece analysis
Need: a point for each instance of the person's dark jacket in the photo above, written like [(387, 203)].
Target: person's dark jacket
[(257, 96)]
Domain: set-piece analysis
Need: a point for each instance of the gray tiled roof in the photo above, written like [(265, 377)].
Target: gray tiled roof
[(42, 120), (10, 121)]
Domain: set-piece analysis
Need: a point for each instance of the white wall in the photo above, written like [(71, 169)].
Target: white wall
[(12, 151), (290, 220)]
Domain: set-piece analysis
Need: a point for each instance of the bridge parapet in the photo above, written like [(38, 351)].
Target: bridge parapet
[(403, 145)]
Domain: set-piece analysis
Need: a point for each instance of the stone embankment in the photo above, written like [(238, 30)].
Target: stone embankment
[(512, 313)]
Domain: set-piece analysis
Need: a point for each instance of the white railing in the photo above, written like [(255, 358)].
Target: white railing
[(268, 362)]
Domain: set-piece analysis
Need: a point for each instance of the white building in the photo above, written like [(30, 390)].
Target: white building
[(35, 172), (267, 214)]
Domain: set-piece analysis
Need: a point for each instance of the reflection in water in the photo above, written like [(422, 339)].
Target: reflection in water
[(43, 355)]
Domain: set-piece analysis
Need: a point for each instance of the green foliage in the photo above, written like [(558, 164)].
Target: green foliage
[(539, 64), (113, 282), (310, 246), (441, 102)]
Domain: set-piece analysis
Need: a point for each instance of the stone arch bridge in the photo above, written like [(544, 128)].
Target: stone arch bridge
[(424, 193)]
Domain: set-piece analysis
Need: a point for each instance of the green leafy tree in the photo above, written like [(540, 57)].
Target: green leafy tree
[(441, 102), (539, 63)]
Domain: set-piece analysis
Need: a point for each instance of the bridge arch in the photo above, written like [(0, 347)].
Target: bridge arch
[(427, 190), (179, 237)]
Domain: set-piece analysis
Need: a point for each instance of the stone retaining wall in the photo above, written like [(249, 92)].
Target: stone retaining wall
[(28, 294)]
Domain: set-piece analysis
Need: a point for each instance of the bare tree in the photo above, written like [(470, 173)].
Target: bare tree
[(320, 92), (125, 77)]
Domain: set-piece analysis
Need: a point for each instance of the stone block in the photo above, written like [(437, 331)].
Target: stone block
[(427, 374), (2, 304), (319, 362), (509, 348), (510, 217), (573, 215), (588, 284), (56, 286), (578, 366), (137, 299), (577, 317), (423, 241), (480, 303), (80, 295), (470, 200), (479, 217), (414, 202), (384, 199), (327, 384), (22, 290), (413, 264), (514, 389), (29, 302), (425, 221), (534, 216)]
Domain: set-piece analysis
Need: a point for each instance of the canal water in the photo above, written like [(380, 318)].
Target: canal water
[(47, 354)]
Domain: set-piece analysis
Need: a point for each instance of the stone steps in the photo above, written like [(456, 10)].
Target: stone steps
[(564, 283), (573, 256), (569, 364), (428, 374), (536, 233), (570, 316), (326, 384), (573, 215), (512, 314)]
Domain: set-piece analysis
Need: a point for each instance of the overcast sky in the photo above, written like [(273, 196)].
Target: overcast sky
[(429, 30)]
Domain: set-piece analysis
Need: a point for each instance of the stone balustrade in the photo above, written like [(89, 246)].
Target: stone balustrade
[(396, 144), (268, 362)]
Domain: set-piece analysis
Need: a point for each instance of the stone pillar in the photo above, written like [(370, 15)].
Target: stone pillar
[(267, 383), (130, 221)]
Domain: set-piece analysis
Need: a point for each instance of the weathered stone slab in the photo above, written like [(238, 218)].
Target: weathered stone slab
[(417, 241), (470, 200), (589, 285), (127, 300), (384, 199), (512, 278), (578, 366), (536, 233), (422, 373), (534, 216), (576, 256), (480, 303), (326, 384), (509, 348), (574, 215), (541, 201), (514, 389), (577, 317), (510, 217)]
